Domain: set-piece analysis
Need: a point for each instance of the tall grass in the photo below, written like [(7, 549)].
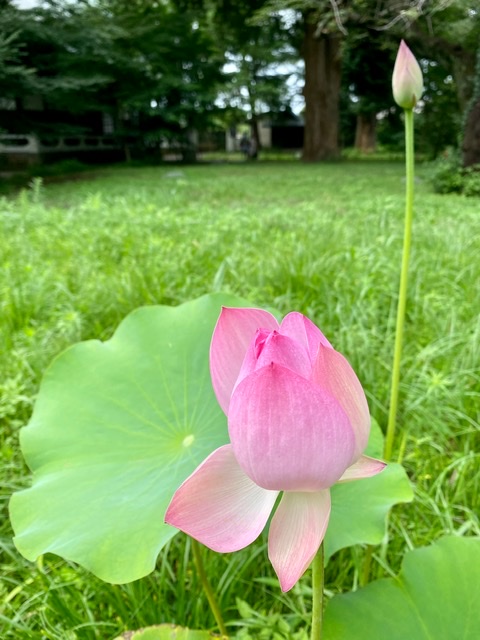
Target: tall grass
[(325, 240)]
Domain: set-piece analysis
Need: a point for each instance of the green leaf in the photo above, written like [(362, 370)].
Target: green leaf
[(167, 632), (116, 428), (376, 441), (360, 508), (244, 609), (435, 596)]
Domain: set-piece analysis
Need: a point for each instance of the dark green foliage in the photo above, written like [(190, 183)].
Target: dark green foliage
[(368, 61), (14, 76), (168, 59), (447, 175), (62, 47), (262, 53), (258, 83), (439, 123), (367, 64), (471, 181), (115, 57)]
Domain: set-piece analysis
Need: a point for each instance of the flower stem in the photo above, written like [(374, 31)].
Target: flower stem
[(197, 555), (317, 594), (402, 296)]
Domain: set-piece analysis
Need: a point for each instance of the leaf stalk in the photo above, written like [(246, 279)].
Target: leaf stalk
[(202, 574)]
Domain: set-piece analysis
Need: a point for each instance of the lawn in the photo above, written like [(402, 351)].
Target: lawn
[(325, 240)]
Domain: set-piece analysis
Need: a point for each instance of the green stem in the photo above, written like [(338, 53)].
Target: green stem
[(317, 594), (364, 578), (197, 555), (402, 296)]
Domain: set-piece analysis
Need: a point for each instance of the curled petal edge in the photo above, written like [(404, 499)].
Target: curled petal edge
[(364, 467)]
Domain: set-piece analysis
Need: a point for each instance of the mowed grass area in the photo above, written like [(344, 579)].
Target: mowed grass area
[(325, 240)]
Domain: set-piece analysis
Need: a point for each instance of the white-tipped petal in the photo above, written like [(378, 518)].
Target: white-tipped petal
[(219, 505), (296, 533)]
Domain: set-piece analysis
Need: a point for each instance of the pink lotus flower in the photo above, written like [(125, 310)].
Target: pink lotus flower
[(407, 79), (298, 423)]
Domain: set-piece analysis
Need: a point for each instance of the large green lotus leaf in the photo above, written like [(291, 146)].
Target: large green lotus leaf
[(360, 508), (435, 596), (116, 428), (167, 632)]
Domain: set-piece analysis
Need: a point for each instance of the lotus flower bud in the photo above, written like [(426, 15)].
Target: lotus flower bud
[(298, 422), (407, 80)]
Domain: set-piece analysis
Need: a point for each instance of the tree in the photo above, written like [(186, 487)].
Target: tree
[(147, 64), (455, 40), (439, 123), (260, 55), (262, 64), (323, 62), (15, 77), (58, 48), (471, 140), (166, 69), (368, 61), (327, 23)]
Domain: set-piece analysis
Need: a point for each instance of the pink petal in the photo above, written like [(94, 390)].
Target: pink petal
[(232, 336), (287, 433), (333, 372), (219, 505), (300, 328), (296, 533), (270, 346), (364, 467)]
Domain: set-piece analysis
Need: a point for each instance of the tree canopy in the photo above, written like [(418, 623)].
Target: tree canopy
[(160, 67)]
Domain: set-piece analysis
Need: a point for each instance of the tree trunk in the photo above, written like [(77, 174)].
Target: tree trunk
[(464, 75), (255, 130), (471, 136), (471, 130), (254, 124), (366, 132), (322, 57)]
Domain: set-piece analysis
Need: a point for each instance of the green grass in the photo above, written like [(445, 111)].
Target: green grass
[(76, 257)]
